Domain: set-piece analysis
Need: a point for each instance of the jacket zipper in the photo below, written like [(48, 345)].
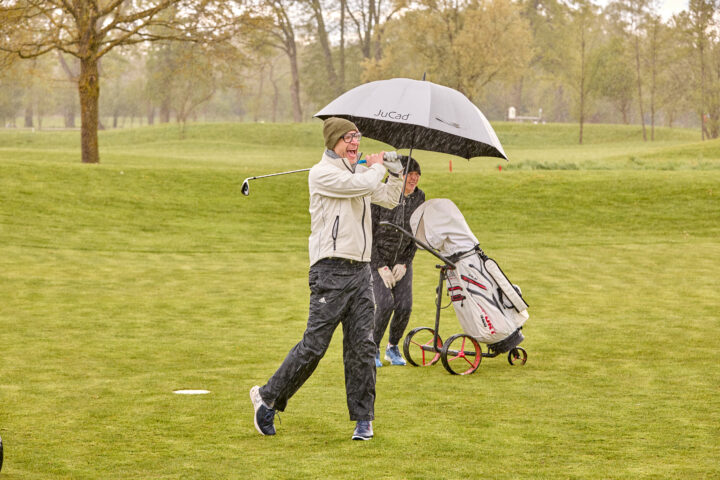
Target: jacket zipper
[(397, 250), (335, 231), (362, 257)]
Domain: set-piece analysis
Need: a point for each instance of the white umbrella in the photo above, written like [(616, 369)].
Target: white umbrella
[(408, 113)]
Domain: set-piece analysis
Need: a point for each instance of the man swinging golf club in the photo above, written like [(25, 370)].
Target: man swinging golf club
[(340, 280)]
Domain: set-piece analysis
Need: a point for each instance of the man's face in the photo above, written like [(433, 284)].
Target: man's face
[(347, 146), (412, 180)]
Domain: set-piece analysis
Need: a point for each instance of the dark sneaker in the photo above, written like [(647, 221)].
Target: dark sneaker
[(363, 430), (392, 355), (378, 363), (264, 416)]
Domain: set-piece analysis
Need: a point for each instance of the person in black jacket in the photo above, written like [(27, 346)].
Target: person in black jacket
[(391, 264)]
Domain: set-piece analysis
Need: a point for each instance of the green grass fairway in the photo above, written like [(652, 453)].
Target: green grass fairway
[(150, 272)]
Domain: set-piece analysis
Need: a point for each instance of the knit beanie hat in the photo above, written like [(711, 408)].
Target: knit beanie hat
[(334, 128)]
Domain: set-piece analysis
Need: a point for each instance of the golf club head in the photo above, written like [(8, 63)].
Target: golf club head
[(245, 189)]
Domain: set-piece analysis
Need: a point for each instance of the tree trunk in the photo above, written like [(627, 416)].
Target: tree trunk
[(258, 98), (714, 123), (295, 84), (164, 112), (703, 127), (582, 85), (652, 115), (343, 4), (89, 90), (69, 115), (275, 101), (582, 116), (325, 44), (653, 77), (276, 93), (29, 115), (369, 27), (639, 85), (518, 93)]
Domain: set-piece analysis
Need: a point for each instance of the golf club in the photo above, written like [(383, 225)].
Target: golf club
[(245, 189)]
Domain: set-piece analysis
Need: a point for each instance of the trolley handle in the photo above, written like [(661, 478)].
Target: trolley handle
[(420, 243)]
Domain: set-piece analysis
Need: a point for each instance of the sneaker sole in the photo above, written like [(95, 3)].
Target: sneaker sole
[(358, 437), (255, 391), (393, 363)]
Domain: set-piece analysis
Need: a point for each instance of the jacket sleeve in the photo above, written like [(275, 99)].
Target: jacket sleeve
[(338, 183), (388, 194)]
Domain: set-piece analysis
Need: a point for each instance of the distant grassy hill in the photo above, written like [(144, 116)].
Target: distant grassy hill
[(529, 146)]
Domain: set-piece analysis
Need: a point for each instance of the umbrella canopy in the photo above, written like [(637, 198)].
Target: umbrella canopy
[(408, 113)]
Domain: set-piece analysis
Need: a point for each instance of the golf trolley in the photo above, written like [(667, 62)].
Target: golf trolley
[(490, 309), (461, 353)]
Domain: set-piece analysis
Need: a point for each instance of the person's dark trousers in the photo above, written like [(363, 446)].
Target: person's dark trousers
[(340, 291), (398, 300)]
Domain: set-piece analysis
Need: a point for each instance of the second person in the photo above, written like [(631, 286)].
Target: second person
[(391, 263)]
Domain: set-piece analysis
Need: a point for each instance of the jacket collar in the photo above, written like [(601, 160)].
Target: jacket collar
[(334, 159)]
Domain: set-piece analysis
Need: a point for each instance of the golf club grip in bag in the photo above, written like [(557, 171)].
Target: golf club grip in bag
[(508, 290)]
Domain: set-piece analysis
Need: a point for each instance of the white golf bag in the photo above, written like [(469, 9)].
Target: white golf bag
[(488, 307)]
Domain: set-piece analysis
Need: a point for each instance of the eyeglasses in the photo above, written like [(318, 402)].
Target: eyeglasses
[(348, 137)]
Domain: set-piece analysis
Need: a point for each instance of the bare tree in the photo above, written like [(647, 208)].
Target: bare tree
[(655, 38), (699, 26), (273, 21), (322, 36), (343, 7), (369, 18), (89, 29), (582, 46), (636, 22)]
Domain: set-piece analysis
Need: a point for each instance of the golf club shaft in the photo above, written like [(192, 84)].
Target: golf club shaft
[(280, 173), (245, 189)]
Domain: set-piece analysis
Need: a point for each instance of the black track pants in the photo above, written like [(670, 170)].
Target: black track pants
[(340, 292), (398, 300)]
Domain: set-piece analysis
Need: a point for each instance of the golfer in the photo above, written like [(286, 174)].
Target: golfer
[(340, 280), (391, 264)]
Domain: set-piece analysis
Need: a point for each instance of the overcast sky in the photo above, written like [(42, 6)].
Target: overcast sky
[(671, 7)]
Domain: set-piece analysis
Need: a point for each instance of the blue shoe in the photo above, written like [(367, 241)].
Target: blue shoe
[(392, 355), (378, 363), (264, 416), (363, 430)]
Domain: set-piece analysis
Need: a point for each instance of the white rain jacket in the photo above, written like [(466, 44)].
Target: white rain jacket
[(340, 218)]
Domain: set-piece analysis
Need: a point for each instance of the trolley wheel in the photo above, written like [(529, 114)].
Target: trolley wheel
[(418, 347), (517, 356), (461, 354)]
